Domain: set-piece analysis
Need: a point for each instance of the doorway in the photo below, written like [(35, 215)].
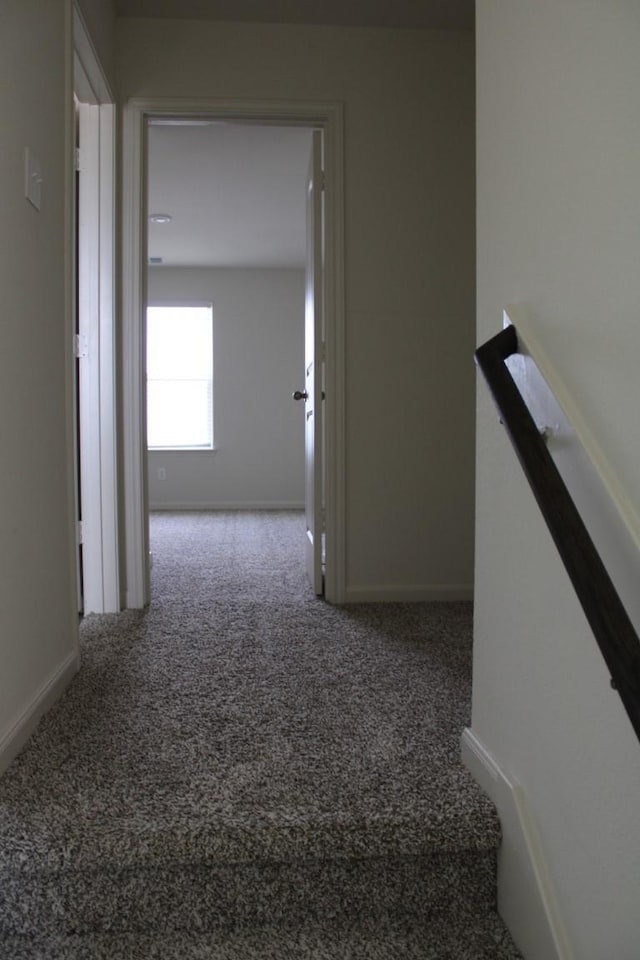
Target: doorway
[(225, 231), (328, 119), (235, 217)]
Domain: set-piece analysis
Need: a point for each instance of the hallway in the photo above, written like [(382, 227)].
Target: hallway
[(241, 763)]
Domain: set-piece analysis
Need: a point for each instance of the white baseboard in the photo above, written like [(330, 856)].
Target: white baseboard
[(14, 739), (410, 593), (231, 505), (526, 898)]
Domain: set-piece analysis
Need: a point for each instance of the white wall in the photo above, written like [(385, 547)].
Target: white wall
[(37, 592), (409, 264), (258, 330), (558, 88)]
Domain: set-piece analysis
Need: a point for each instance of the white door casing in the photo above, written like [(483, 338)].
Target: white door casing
[(96, 318), (325, 117), (313, 363)]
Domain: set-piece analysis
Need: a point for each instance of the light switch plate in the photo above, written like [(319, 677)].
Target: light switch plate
[(33, 179)]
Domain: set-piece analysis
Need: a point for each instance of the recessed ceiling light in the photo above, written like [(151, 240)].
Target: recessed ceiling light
[(160, 218)]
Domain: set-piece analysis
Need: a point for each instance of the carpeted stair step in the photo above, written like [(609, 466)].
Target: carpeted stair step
[(234, 896), (476, 938), (116, 876)]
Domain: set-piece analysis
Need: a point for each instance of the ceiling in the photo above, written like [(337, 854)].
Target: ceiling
[(412, 14), (235, 192)]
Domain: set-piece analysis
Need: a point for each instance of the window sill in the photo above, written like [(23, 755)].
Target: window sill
[(164, 450)]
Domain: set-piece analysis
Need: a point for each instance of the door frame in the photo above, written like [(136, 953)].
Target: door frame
[(329, 117), (314, 366), (97, 446)]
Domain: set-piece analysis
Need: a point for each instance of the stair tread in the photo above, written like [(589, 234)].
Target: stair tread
[(63, 845), (477, 938)]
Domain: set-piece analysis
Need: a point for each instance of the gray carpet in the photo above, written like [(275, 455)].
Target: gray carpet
[(245, 771)]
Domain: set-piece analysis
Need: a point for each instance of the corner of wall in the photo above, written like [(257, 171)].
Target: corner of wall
[(526, 898), (14, 739)]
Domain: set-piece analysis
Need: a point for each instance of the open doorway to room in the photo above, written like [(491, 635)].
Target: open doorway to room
[(325, 279), (226, 227), (230, 258)]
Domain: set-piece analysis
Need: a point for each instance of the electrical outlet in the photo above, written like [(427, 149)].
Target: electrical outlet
[(162, 473)]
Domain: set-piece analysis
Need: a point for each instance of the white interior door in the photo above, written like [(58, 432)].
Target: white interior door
[(313, 365)]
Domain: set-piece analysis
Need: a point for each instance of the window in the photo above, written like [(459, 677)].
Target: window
[(180, 377)]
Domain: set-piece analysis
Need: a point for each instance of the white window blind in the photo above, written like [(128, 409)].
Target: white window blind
[(180, 377)]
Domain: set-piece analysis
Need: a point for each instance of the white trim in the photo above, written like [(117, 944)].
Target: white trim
[(12, 742), (227, 505), (519, 317), (163, 450), (89, 366), (526, 897), (328, 117), (96, 268), (335, 354), (430, 592), (108, 364), (179, 302), (70, 315), (133, 423)]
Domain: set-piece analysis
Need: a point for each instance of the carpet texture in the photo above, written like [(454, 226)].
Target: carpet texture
[(244, 771)]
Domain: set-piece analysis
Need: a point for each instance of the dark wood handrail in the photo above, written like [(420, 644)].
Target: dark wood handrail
[(613, 630)]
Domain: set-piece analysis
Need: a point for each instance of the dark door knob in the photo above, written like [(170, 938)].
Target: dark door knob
[(300, 395)]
